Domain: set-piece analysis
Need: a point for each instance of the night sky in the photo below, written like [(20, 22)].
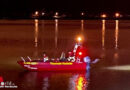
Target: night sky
[(13, 7)]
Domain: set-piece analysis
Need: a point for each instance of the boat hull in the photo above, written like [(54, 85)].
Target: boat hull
[(53, 66)]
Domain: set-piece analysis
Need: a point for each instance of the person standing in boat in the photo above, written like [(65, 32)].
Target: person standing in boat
[(71, 56), (45, 57), (62, 58), (89, 61)]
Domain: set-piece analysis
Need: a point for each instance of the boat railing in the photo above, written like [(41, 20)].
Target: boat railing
[(23, 59), (29, 58)]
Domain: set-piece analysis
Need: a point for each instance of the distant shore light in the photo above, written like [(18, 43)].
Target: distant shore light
[(103, 15), (117, 14), (82, 13), (56, 14), (43, 13), (36, 12)]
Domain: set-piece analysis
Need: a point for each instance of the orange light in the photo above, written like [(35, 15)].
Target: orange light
[(79, 39), (117, 14), (103, 15)]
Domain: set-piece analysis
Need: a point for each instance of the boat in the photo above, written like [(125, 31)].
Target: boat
[(53, 66), (73, 62)]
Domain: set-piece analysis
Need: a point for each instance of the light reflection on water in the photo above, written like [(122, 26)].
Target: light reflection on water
[(119, 68), (82, 25), (36, 32), (116, 54), (103, 38), (56, 32), (36, 29), (55, 80), (116, 33), (103, 34)]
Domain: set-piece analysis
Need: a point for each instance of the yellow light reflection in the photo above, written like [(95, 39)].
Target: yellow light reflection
[(103, 34), (36, 33), (116, 54), (82, 25), (116, 34), (56, 32), (80, 83)]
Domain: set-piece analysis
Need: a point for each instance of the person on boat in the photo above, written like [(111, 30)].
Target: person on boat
[(45, 57), (89, 61), (71, 56), (62, 58), (77, 45)]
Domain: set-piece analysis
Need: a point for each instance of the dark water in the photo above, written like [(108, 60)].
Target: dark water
[(108, 40)]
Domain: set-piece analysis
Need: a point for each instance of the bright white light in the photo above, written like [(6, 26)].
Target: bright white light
[(36, 13), (43, 13), (80, 53), (56, 14), (2, 83), (120, 68), (82, 13)]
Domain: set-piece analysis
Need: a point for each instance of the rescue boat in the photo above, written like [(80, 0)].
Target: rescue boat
[(53, 66), (73, 62)]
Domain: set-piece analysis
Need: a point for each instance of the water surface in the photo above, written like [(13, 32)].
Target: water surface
[(105, 39)]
